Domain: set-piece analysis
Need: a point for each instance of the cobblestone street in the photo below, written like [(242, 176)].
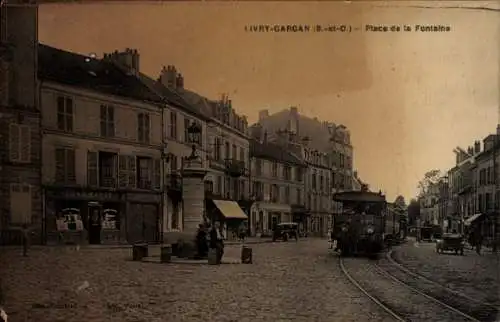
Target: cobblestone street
[(298, 281), (477, 276)]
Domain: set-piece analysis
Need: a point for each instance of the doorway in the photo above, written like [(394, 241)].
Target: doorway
[(94, 224)]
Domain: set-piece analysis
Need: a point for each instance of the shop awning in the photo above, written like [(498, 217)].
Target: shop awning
[(469, 220), (230, 209)]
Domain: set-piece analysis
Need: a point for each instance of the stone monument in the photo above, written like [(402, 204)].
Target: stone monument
[(193, 202)]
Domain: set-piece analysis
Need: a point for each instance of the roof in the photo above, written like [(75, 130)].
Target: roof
[(171, 96), (354, 196), (95, 74), (319, 136), (274, 152)]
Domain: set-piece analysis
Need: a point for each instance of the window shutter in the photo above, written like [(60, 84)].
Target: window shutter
[(157, 174), (132, 174), (60, 165), (14, 141), (140, 127), (123, 173), (146, 128), (70, 166), (25, 133), (92, 169)]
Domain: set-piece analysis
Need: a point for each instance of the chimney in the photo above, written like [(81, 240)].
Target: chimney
[(168, 76), (128, 59), (263, 114), (179, 81), (294, 112), (477, 147)]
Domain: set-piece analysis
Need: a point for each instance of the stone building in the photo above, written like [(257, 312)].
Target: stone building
[(486, 188), (328, 152), (20, 194), (102, 141), (278, 184)]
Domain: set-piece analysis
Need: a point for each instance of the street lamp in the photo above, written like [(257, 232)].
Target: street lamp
[(194, 137)]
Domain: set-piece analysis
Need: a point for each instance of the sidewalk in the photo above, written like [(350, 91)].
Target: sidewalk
[(248, 241)]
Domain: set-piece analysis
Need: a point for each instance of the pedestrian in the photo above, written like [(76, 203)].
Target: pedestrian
[(25, 239), (217, 241), (479, 242), (201, 242), (330, 238), (242, 232)]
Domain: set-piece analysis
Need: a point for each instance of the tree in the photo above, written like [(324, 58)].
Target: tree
[(430, 178), (413, 212), (400, 202)]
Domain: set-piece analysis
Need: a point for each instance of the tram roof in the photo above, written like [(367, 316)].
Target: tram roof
[(358, 196)]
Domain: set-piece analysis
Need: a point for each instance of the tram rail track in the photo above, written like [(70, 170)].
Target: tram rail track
[(399, 299), (480, 310)]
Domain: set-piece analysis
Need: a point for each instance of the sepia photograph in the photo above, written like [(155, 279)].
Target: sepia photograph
[(170, 161)]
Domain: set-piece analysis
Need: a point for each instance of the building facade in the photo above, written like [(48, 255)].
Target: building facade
[(20, 158), (278, 185), (102, 141)]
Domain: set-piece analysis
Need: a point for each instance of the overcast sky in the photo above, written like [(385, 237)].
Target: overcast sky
[(408, 98)]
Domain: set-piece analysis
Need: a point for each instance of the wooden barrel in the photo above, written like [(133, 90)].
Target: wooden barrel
[(139, 251)]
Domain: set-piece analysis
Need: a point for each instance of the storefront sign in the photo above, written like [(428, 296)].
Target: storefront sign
[(110, 218), (69, 219)]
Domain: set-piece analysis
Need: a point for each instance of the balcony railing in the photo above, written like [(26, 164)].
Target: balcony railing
[(235, 168), (108, 182)]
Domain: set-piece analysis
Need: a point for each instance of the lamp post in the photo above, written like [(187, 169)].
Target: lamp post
[(165, 158), (194, 137)]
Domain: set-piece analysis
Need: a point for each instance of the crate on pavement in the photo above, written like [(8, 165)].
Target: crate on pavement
[(246, 255), (139, 251), (166, 254), (212, 256)]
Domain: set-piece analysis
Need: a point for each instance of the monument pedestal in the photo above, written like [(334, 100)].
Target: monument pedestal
[(193, 202)]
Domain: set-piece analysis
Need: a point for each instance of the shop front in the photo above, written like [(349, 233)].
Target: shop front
[(268, 215), (76, 215), (300, 215), (229, 214)]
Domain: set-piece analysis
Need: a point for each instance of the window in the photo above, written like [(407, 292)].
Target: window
[(299, 196), (144, 172), (287, 172), (235, 152), (219, 185), (242, 190), (127, 171), (107, 169), (187, 123), (65, 166), (258, 190), (275, 169), (143, 129), (342, 159), (242, 154), (217, 149), (19, 143), (227, 151), (107, 121), (258, 167), (64, 114), (321, 183), (299, 174), (174, 164), (173, 125), (20, 204), (209, 186), (287, 195), (275, 193), (313, 181)]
